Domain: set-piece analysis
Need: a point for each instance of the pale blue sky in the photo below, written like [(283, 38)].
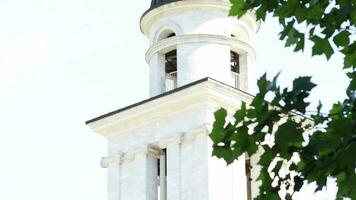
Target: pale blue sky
[(66, 61)]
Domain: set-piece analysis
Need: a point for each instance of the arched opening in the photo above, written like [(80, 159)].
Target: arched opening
[(171, 70), (165, 34), (170, 63), (171, 35), (235, 68)]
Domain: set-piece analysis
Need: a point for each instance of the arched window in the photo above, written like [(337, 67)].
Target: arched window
[(170, 62), (171, 70), (165, 34), (171, 35), (235, 68)]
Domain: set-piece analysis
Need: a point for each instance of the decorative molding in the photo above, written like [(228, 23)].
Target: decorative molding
[(170, 44), (210, 92), (174, 140), (192, 134), (166, 25), (107, 162), (147, 151)]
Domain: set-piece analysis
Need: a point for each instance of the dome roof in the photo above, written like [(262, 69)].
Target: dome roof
[(157, 3)]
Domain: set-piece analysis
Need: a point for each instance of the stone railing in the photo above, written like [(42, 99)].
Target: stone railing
[(236, 78), (171, 81)]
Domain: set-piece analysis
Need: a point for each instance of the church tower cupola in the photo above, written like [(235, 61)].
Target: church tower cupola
[(159, 148), (195, 39)]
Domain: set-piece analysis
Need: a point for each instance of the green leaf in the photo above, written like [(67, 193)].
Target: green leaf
[(242, 141), (267, 157), (217, 135), (277, 167), (237, 8), (301, 43), (303, 83), (261, 13), (352, 85), (286, 30), (223, 152), (322, 46), (342, 39), (350, 56), (240, 114), (262, 84), (298, 183), (287, 134), (286, 8)]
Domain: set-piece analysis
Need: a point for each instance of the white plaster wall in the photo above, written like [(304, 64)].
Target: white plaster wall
[(201, 22), (127, 181), (174, 180), (200, 60), (157, 75), (145, 177), (227, 182), (192, 172), (178, 122), (113, 186), (155, 132), (245, 68)]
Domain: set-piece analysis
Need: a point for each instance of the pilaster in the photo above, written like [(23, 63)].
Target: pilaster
[(173, 166), (194, 165), (113, 164), (145, 174)]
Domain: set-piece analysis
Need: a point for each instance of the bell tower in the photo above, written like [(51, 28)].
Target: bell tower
[(194, 39), (199, 60)]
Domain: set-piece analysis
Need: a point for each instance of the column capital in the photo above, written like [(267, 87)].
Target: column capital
[(173, 140), (203, 130), (146, 151), (107, 162)]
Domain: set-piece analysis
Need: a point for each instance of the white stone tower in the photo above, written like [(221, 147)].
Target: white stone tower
[(159, 149)]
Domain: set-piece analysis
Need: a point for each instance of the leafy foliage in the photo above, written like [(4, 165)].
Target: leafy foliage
[(295, 147), (312, 149), (327, 23)]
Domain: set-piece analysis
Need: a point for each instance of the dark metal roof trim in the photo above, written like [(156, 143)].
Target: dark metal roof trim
[(158, 3), (146, 100), (157, 97)]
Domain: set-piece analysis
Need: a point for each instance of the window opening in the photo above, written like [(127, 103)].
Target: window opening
[(171, 35), (171, 70), (165, 34), (235, 68), (162, 175)]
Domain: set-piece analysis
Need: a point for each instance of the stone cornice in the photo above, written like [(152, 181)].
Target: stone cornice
[(170, 44), (209, 92)]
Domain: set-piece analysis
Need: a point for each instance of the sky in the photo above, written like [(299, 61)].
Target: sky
[(63, 62)]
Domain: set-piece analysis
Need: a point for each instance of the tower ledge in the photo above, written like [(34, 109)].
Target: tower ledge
[(166, 45), (206, 92)]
